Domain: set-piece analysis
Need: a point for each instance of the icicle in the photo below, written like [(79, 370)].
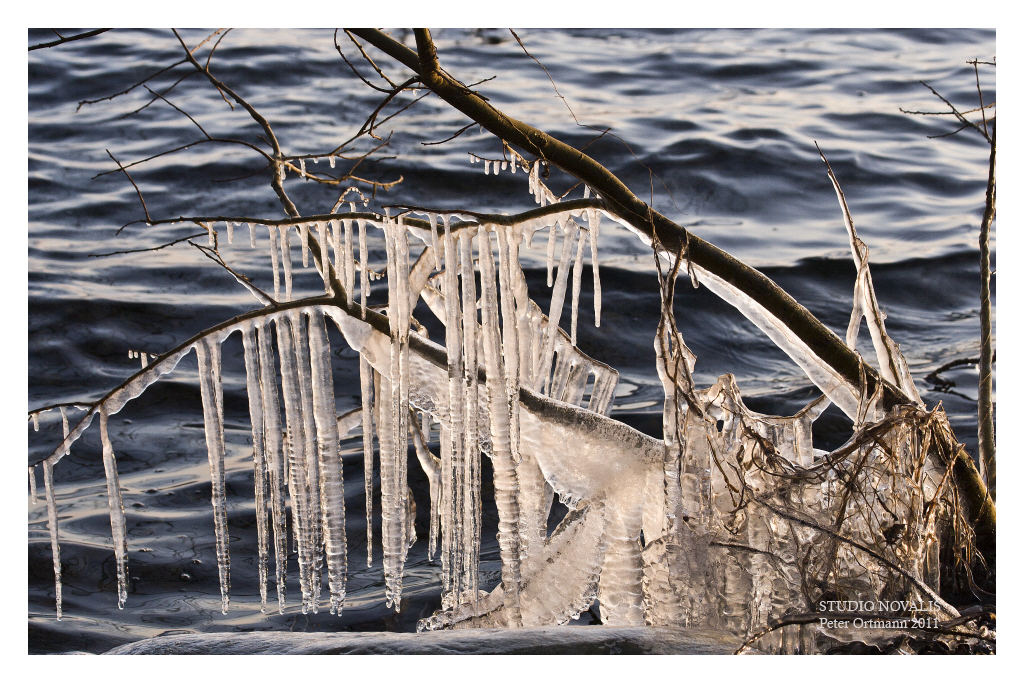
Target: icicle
[(51, 514), (208, 352), (364, 280), (433, 240), (331, 159), (35, 422), (325, 259), (274, 251), (506, 487), (495, 168), (335, 240), (274, 457), (586, 192), (252, 235), (231, 231), (405, 315), (471, 450), (543, 369), (452, 444), (304, 243), (32, 485), (577, 279), (117, 523), (144, 358), (504, 165), (131, 353), (552, 237), (392, 526), (350, 266), (332, 486), (508, 254), (286, 260), (310, 452), (302, 169), (252, 384), (366, 391), (288, 334), (487, 167), (209, 231), (594, 224), (395, 411)]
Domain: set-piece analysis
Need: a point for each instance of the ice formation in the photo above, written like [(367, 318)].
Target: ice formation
[(729, 521)]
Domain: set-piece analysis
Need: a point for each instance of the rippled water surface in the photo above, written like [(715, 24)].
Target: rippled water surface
[(722, 124)]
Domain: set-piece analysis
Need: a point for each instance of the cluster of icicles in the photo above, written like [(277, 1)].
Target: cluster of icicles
[(300, 459), (653, 531)]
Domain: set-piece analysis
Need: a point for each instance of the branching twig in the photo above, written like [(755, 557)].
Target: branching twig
[(80, 36), (162, 246), (128, 90)]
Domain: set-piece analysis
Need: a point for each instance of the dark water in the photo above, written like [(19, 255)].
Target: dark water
[(726, 119)]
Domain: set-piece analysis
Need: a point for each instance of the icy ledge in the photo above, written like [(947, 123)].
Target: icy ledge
[(551, 640)]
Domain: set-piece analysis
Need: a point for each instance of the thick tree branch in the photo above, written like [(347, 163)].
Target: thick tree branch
[(671, 238)]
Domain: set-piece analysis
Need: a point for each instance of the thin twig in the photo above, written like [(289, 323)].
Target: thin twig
[(172, 87), (128, 175), (564, 101), (180, 110), (183, 147), (128, 90), (137, 251), (80, 36), (214, 255), (452, 137)]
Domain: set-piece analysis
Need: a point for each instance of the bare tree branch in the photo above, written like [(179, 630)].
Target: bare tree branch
[(80, 36)]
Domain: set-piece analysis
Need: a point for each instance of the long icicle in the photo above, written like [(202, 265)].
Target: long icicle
[(594, 224), (275, 252), (506, 485), (393, 485), (350, 267), (286, 259), (275, 459), (252, 385), (508, 252), (312, 464), (471, 453), (577, 280), (33, 496), (452, 450), (364, 268), (51, 514), (117, 523), (366, 391), (296, 456), (208, 352), (304, 243), (404, 320), (392, 532), (332, 485)]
